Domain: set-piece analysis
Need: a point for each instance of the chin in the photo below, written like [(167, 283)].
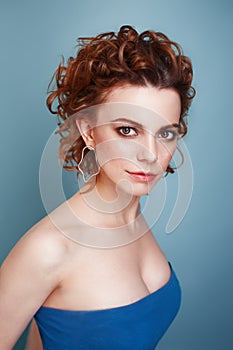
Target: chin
[(137, 190), (127, 185)]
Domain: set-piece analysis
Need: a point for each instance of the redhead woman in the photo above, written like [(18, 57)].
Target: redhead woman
[(91, 274)]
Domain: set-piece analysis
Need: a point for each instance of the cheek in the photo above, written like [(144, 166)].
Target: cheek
[(165, 154), (114, 151)]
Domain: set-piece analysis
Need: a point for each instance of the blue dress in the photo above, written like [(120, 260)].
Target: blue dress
[(136, 326)]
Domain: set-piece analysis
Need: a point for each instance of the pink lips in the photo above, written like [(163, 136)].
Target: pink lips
[(140, 176)]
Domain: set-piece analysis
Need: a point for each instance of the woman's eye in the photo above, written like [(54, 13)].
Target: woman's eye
[(168, 135), (127, 131)]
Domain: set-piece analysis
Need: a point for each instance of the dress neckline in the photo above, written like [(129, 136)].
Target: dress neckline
[(135, 303)]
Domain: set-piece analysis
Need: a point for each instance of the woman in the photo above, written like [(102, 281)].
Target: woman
[(124, 97)]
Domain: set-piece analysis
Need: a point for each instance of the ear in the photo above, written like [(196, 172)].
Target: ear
[(86, 131)]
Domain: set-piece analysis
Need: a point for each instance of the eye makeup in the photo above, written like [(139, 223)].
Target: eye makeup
[(170, 132), (127, 131)]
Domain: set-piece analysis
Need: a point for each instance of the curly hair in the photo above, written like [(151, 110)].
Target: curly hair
[(112, 60)]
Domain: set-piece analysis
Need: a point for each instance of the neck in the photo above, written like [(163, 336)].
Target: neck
[(107, 206)]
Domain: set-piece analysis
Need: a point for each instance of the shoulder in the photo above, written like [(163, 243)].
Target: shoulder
[(33, 269), (42, 246)]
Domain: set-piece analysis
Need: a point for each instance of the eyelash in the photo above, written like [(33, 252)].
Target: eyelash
[(126, 127), (174, 133)]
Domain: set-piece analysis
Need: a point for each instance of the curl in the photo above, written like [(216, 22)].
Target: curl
[(111, 60)]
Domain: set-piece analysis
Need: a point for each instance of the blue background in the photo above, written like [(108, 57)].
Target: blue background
[(34, 35)]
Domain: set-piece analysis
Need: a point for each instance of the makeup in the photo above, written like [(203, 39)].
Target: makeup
[(142, 177)]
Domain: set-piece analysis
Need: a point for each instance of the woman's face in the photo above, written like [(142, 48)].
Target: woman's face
[(135, 136)]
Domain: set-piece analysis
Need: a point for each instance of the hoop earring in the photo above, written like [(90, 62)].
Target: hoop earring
[(88, 164), (172, 169), (182, 158)]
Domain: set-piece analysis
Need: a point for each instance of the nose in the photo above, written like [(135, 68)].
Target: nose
[(148, 151)]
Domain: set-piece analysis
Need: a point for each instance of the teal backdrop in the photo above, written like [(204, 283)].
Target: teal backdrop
[(34, 35)]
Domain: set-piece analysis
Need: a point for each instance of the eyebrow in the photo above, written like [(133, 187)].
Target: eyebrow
[(125, 120)]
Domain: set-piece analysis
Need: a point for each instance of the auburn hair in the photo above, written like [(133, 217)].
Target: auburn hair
[(112, 60)]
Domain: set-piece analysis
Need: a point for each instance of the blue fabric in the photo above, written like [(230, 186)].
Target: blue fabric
[(137, 326)]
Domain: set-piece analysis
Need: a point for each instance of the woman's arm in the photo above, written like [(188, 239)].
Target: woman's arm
[(28, 275), (34, 340)]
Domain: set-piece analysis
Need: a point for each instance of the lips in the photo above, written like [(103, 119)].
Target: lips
[(141, 176)]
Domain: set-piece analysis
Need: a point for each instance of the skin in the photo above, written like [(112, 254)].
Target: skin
[(46, 268), (34, 341)]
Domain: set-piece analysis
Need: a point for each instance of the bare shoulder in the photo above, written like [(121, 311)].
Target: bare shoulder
[(32, 270), (42, 244)]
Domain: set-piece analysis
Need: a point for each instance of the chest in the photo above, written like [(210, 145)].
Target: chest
[(97, 279)]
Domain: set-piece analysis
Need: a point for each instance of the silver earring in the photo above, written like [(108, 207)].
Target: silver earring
[(88, 164), (182, 158), (175, 167)]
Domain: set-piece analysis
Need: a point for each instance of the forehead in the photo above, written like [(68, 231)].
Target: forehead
[(149, 106)]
